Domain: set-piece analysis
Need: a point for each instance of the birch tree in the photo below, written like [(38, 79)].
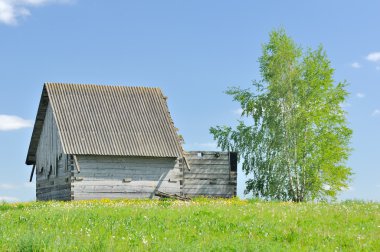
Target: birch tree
[(297, 145)]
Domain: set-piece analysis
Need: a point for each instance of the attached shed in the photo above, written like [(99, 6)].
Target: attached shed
[(92, 141)]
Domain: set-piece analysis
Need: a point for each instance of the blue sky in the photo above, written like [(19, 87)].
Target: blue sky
[(193, 50)]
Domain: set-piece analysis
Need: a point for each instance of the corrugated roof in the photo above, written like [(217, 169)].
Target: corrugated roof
[(108, 120)]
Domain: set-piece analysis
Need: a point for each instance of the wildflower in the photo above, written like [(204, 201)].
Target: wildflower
[(144, 241)]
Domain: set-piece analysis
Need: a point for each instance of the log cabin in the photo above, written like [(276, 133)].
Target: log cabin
[(97, 141)]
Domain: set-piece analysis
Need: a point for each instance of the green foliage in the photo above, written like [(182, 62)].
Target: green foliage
[(200, 225), (298, 143)]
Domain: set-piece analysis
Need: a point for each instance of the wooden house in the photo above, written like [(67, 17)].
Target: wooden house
[(92, 141)]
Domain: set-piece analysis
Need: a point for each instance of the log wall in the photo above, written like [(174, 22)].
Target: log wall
[(124, 177), (209, 173)]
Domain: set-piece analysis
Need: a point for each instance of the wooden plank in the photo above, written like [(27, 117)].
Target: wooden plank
[(110, 186), (122, 189), (142, 171), (52, 189), (54, 195), (32, 173), (121, 183), (76, 163), (189, 182), (120, 175), (206, 169), (123, 168), (211, 166), (186, 163), (88, 196), (224, 187), (208, 176), (208, 162), (125, 165), (56, 181), (61, 178), (63, 191), (92, 159), (208, 157), (134, 178), (134, 174)]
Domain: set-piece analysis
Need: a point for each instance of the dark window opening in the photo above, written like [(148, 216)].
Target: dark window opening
[(50, 171), (233, 161)]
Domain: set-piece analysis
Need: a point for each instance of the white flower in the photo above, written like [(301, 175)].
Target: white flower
[(144, 241)]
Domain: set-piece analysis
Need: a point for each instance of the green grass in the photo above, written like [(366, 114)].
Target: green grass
[(201, 225)]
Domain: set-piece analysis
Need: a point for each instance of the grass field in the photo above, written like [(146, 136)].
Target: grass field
[(200, 225)]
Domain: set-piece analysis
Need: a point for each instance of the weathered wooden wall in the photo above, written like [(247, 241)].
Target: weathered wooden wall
[(211, 174), (52, 174), (58, 177), (124, 177)]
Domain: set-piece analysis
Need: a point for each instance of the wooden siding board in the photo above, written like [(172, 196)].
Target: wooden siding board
[(143, 183), (211, 187), (206, 182), (50, 153), (90, 196), (37, 129), (120, 172), (121, 189), (105, 177), (207, 162), (121, 176), (209, 175)]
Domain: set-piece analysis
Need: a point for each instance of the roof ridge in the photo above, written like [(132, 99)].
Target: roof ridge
[(100, 85)]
